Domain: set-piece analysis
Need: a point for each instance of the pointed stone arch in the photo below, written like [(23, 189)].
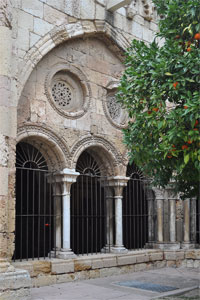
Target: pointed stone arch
[(114, 39)]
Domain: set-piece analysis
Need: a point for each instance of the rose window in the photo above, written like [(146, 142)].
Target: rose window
[(114, 108), (62, 94)]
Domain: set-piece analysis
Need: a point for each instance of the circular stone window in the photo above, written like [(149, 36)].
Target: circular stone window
[(68, 91), (114, 112)]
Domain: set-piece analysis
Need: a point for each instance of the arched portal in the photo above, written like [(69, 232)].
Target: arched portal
[(34, 233), (135, 210), (88, 210)]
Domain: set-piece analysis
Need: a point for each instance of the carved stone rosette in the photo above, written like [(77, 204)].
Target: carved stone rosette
[(67, 90)]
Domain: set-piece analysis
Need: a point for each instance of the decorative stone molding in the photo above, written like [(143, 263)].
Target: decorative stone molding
[(112, 109), (5, 13), (143, 7), (114, 39), (97, 141), (57, 146), (67, 90)]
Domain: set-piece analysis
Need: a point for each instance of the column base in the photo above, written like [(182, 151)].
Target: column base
[(15, 285), (106, 249), (118, 249), (167, 246), (188, 245), (54, 253), (65, 254)]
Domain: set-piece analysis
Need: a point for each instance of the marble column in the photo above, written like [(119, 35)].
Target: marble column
[(66, 178), (109, 220), (151, 221), (118, 183), (159, 198), (187, 243), (172, 197), (57, 197)]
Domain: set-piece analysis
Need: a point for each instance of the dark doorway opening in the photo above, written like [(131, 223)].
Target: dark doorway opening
[(198, 220), (88, 210), (135, 210), (34, 231)]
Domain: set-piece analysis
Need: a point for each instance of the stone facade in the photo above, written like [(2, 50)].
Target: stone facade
[(52, 47)]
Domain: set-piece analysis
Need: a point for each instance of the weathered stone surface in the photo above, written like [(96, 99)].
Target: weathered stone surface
[(44, 280), (62, 267), (82, 265), (173, 255), (5, 13), (126, 260), (156, 256), (40, 267)]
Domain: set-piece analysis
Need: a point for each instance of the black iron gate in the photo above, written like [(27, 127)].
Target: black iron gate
[(198, 220), (88, 214), (138, 211), (34, 229)]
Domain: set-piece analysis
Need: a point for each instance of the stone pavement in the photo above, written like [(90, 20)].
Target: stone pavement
[(108, 288)]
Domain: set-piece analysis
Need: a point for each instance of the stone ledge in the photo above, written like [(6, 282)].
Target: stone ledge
[(102, 265)]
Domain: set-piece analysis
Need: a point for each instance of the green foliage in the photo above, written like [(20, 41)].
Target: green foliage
[(160, 89)]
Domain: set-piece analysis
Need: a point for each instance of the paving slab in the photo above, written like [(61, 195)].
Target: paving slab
[(112, 287)]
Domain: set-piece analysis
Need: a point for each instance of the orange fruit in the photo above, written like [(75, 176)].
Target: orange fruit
[(149, 112), (196, 123), (197, 36), (155, 109), (169, 156), (185, 106), (189, 49), (184, 147), (175, 84), (189, 142)]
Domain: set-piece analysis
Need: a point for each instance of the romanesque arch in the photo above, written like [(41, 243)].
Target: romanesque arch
[(114, 162), (60, 34), (49, 143)]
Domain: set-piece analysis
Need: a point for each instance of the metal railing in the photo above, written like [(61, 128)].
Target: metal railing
[(88, 214), (138, 214), (35, 218)]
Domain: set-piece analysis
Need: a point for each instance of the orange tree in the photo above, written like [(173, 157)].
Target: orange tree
[(160, 89)]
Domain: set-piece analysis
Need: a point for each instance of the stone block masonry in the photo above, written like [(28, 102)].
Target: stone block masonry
[(47, 272)]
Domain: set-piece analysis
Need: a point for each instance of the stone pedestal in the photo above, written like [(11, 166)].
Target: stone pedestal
[(14, 284), (66, 178), (118, 183)]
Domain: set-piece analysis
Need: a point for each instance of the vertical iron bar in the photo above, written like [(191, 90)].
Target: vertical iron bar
[(96, 219), (141, 213), (138, 219), (33, 232), (27, 212), (38, 216), (44, 218), (92, 214), (87, 214), (50, 213), (130, 211), (77, 215), (100, 213), (82, 216), (21, 217)]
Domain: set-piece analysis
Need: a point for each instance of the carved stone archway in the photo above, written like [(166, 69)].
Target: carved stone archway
[(114, 39), (114, 163), (49, 143)]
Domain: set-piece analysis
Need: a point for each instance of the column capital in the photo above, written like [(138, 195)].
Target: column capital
[(159, 193), (118, 183), (66, 175)]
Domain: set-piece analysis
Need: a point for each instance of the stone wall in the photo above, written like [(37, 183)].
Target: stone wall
[(94, 266)]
